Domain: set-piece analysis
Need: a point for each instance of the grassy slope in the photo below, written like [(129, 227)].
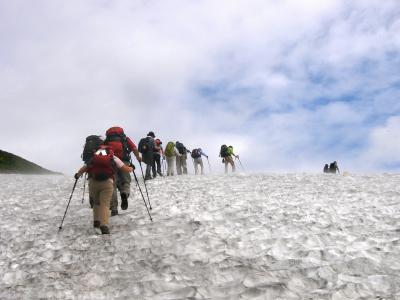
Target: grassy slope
[(10, 163)]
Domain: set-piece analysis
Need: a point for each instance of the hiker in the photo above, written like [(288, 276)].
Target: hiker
[(158, 153), (226, 153), (92, 144), (147, 148), (326, 168), (170, 154), (181, 165), (102, 169), (333, 167), (197, 160), (122, 147)]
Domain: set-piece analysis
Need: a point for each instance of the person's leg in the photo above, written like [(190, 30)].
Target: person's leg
[(226, 164), (105, 194), (157, 158), (184, 164), (169, 166), (196, 166), (153, 166), (201, 165), (179, 165), (124, 181), (148, 171), (94, 192), (114, 200)]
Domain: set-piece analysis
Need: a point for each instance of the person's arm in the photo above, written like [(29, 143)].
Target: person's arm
[(134, 149), (120, 165), (82, 170), (202, 153), (177, 152)]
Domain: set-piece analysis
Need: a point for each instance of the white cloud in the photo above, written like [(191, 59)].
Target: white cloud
[(70, 69)]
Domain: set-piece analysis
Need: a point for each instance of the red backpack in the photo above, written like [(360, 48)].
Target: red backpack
[(102, 166), (116, 139)]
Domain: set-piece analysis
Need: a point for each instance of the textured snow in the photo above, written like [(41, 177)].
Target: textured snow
[(293, 236)]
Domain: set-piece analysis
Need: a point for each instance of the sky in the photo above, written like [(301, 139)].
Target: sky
[(291, 84)]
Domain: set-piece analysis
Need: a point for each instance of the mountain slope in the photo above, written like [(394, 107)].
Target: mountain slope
[(286, 236), (13, 164)]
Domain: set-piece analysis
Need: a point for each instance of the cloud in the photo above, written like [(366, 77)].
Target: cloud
[(384, 150), (295, 82)]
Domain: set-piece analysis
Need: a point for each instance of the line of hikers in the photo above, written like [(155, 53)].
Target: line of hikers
[(108, 165), (332, 168)]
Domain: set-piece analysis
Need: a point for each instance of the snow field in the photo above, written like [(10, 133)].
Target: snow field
[(291, 236)]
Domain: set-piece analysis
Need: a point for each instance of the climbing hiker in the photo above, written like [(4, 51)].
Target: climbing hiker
[(92, 143), (122, 146), (333, 167), (226, 153), (181, 164), (197, 160), (326, 168), (170, 154), (146, 147), (101, 169), (158, 153)]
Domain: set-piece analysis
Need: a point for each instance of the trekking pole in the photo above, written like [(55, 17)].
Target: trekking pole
[(70, 197), (209, 166), (84, 187), (241, 164), (144, 181), (144, 200)]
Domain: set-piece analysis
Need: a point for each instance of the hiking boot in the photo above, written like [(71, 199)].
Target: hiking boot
[(96, 224), (104, 229), (124, 201), (160, 174), (147, 178), (114, 212)]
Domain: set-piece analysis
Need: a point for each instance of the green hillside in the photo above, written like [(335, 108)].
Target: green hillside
[(13, 164)]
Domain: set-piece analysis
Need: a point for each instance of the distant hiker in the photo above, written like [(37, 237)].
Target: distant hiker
[(170, 154), (147, 147), (197, 160), (226, 153), (158, 153), (102, 168), (92, 144), (326, 168), (181, 165), (333, 167), (122, 147)]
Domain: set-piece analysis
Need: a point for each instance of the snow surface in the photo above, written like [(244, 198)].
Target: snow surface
[(293, 236)]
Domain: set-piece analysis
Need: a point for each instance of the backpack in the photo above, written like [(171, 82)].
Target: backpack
[(181, 148), (92, 143), (116, 139), (224, 151), (196, 153), (102, 166), (146, 145), (169, 150)]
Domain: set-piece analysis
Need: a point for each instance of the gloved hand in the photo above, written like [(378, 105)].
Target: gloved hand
[(132, 166), (76, 176)]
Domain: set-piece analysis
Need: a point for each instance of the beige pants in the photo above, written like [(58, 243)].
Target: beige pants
[(198, 161), (170, 165), (181, 167), (229, 160), (101, 193)]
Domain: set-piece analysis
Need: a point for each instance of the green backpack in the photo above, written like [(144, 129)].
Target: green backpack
[(169, 150)]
